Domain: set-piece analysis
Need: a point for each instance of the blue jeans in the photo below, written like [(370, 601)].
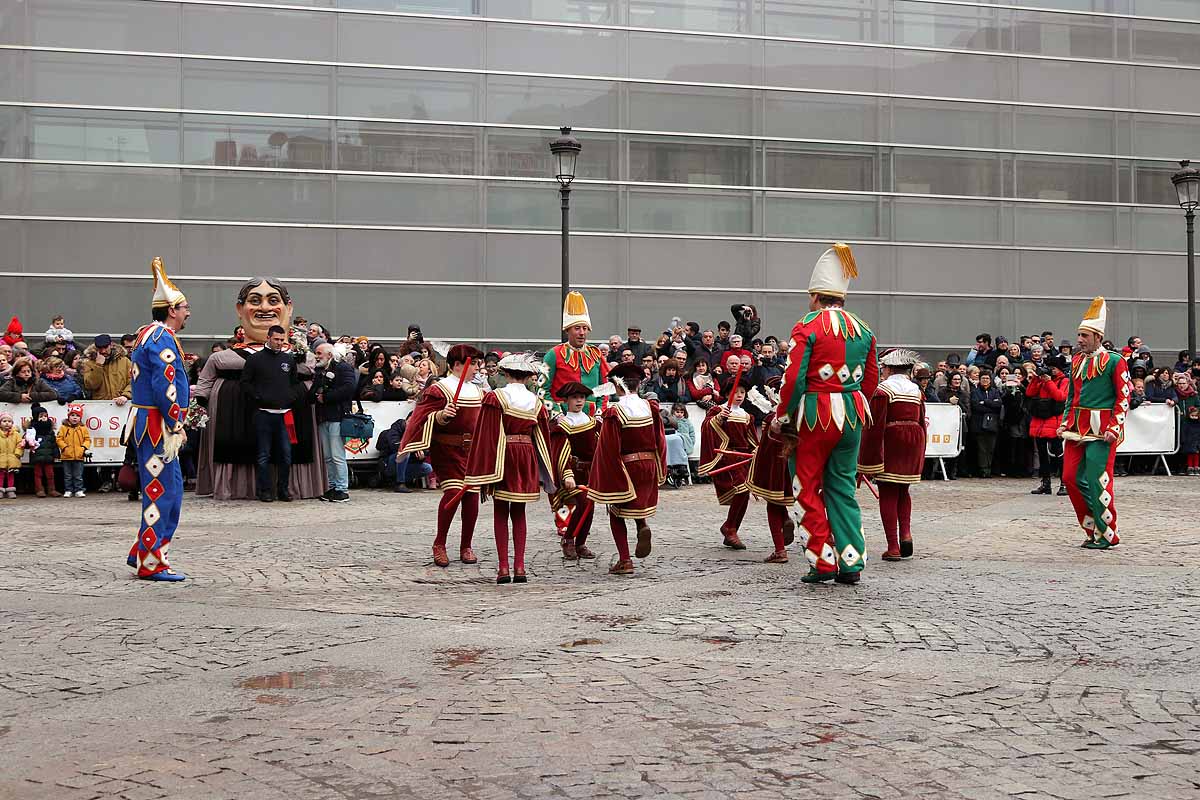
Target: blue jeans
[(72, 476), (271, 438), (406, 470), (335, 455)]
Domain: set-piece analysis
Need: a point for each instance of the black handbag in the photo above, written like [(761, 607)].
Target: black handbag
[(360, 425), (989, 422)]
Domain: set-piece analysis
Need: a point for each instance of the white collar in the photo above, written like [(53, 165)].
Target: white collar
[(519, 396), (737, 412), (470, 389), (577, 418), (634, 406)]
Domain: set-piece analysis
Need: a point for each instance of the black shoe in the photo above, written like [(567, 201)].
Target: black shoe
[(1043, 487), (1062, 490), (325, 497), (339, 496), (906, 550), (284, 497), (135, 496), (401, 488), (264, 497), (849, 578)]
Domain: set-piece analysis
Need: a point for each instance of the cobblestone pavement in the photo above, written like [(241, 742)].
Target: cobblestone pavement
[(328, 658)]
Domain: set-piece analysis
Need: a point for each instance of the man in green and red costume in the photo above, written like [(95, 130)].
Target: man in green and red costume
[(574, 361), (1092, 428), (831, 374)]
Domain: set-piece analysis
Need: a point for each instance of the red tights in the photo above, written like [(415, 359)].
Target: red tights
[(776, 516), (620, 536), (737, 512), (7, 478), (446, 509), (580, 522), (1193, 461), (502, 512), (895, 508)]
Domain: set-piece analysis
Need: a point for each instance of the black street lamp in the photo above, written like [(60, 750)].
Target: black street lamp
[(1187, 184), (565, 150)]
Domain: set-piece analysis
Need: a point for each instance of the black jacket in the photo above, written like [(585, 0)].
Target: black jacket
[(336, 382), (270, 379)]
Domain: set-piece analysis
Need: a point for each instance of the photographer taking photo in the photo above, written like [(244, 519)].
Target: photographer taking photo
[(1047, 396)]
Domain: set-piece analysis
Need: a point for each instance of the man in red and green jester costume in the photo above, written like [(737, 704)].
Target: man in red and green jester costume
[(831, 374), (573, 361), (1093, 425)]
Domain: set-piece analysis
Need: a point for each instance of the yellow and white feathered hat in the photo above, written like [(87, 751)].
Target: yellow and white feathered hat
[(575, 311), (166, 294), (1096, 317), (833, 271)]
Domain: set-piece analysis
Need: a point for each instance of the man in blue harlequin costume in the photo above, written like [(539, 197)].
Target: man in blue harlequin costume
[(155, 426)]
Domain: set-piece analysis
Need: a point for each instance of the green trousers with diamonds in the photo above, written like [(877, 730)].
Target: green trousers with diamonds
[(825, 464)]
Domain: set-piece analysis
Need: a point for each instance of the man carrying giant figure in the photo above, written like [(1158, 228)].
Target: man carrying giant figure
[(155, 426), (832, 370)]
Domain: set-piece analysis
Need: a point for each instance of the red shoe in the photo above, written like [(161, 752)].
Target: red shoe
[(439, 556), (789, 531), (733, 542), (582, 551), (892, 555), (621, 568), (569, 552), (467, 556), (778, 557)]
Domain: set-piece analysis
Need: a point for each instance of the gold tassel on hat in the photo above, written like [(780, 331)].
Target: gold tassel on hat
[(1094, 309), (846, 256)]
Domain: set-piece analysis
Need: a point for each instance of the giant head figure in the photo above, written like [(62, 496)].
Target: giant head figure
[(261, 303)]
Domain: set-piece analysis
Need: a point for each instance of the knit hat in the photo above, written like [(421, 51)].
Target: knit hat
[(103, 340), (37, 409), (4, 415), (832, 273), (75, 408), (1096, 317), (166, 294)]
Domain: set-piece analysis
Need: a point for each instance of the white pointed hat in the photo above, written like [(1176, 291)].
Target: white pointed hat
[(575, 311), (1096, 317), (833, 271), (166, 294)]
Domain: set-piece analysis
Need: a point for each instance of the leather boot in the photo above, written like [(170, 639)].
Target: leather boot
[(1044, 488), (1062, 490)]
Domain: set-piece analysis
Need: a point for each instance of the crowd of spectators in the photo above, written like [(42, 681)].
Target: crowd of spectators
[(1010, 392)]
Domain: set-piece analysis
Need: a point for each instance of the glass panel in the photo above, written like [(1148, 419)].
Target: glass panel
[(850, 20), (511, 205), (1164, 136), (688, 58), (242, 142), (945, 173), (241, 250), (430, 6), (726, 16), (1069, 36), (102, 191), (1063, 274), (1152, 184), (822, 116), (1066, 227), (597, 12), (380, 147), (827, 66), (953, 124), (680, 108), (709, 263), (944, 322), (959, 27), (831, 167), (389, 201), (257, 198), (97, 248), (13, 29), (690, 161), (275, 33), (406, 95), (408, 40), (1067, 179), (104, 136), (814, 215), (12, 134), (104, 80), (1072, 82), (291, 89), (407, 254), (1159, 229), (1181, 9), (551, 101), (953, 75), (1166, 89), (540, 49), (1074, 131), (947, 221), (527, 155), (532, 258), (690, 212), (104, 24), (953, 269)]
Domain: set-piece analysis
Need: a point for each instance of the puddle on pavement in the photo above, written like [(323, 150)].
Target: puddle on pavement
[(316, 678), (458, 657)]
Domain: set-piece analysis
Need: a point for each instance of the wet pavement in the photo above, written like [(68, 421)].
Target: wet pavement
[(316, 652)]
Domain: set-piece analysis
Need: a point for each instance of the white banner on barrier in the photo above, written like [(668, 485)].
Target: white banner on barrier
[(944, 436), (104, 420), (1151, 429)]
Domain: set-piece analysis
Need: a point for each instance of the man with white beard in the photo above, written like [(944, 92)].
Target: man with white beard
[(331, 392)]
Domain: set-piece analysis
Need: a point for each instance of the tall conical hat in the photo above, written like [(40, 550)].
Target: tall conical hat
[(1096, 317), (833, 271), (166, 294), (575, 311)]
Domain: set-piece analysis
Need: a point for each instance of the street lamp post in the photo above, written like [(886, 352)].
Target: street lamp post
[(1187, 184), (565, 150)]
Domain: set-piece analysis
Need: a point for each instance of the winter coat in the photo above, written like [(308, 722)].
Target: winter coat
[(687, 432), (36, 388), (47, 450), (73, 441), (336, 383), (984, 402), (1013, 400), (964, 398), (674, 390), (1189, 437), (67, 388), (10, 448), (699, 393), (109, 380), (1158, 393), (1047, 397)]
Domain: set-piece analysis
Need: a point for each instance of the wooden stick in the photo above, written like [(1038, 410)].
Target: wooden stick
[(871, 486), (461, 381), (737, 376), (728, 467)]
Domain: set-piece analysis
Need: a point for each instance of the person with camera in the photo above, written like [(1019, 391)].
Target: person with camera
[(1047, 395), (332, 388), (987, 406)]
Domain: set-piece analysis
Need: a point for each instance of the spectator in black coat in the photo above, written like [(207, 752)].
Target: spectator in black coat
[(331, 391)]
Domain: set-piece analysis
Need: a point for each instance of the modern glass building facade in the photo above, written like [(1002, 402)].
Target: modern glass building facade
[(994, 164)]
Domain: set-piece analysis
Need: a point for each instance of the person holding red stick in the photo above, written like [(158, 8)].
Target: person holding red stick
[(727, 443), (573, 439), (770, 478), (629, 465), (442, 424)]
